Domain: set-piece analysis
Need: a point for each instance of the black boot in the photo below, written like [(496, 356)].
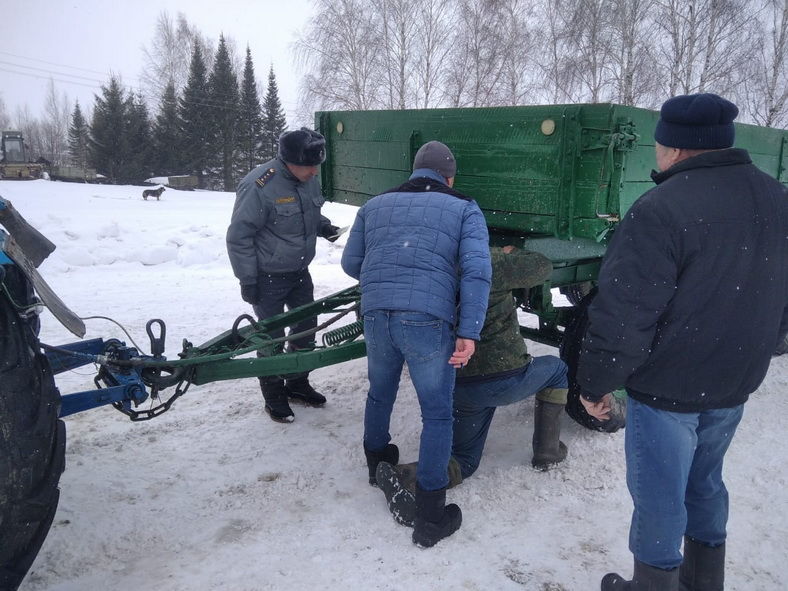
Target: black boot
[(407, 474), (646, 578), (299, 390), (400, 500), (434, 519), (548, 449), (275, 395), (389, 454), (703, 568)]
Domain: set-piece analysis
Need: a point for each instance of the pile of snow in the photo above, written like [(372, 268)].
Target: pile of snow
[(213, 495)]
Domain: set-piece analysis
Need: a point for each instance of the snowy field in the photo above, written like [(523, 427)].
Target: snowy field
[(213, 495)]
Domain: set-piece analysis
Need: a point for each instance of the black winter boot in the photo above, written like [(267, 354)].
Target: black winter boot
[(401, 501), (275, 395), (299, 390), (389, 454), (434, 519), (548, 449), (703, 568), (646, 578), (407, 474)]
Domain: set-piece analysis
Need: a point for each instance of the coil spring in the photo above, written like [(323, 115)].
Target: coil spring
[(343, 333)]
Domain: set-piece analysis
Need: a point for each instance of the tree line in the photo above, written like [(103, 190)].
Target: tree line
[(396, 54), (209, 119)]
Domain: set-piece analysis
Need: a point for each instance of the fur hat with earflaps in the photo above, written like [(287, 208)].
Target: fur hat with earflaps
[(302, 147)]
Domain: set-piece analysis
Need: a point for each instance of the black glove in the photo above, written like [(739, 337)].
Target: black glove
[(330, 233), (249, 293)]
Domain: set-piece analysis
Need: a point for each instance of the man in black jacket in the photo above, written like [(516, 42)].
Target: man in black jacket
[(693, 299)]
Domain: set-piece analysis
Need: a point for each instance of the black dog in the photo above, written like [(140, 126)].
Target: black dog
[(152, 193)]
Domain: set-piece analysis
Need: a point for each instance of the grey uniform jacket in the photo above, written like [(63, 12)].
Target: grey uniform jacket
[(275, 223)]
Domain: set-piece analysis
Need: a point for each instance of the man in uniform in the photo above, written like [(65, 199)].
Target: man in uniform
[(271, 241)]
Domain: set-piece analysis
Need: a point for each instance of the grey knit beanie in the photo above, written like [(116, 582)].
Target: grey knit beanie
[(436, 156)]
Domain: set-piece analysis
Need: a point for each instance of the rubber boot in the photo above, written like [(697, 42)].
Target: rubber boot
[(703, 568), (275, 395), (300, 390), (401, 501), (646, 578), (435, 520), (548, 449), (389, 454)]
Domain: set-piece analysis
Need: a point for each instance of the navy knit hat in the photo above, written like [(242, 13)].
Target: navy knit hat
[(436, 156), (302, 147), (697, 121)]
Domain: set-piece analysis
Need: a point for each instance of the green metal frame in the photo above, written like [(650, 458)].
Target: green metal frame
[(553, 179)]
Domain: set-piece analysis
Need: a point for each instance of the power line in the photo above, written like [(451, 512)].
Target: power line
[(48, 71), (50, 63), (43, 77)]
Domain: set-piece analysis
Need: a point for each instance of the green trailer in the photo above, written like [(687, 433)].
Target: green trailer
[(554, 179)]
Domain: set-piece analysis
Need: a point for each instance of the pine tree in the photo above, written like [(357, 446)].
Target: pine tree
[(274, 122), (138, 164), (223, 94), (167, 159), (78, 139), (195, 114), (108, 143), (250, 121)]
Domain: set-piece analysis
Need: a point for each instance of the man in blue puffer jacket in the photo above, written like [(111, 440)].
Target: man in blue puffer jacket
[(422, 256)]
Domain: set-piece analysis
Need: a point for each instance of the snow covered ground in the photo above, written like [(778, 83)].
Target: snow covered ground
[(213, 495)]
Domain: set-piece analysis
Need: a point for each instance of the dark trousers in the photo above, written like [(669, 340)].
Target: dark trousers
[(289, 290)]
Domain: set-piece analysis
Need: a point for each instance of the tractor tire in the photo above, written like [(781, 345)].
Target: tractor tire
[(570, 348), (32, 438)]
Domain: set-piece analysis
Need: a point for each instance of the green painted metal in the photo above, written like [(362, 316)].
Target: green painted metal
[(553, 179), (562, 171)]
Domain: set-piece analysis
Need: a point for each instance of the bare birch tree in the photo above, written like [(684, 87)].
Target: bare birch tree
[(5, 119), (766, 89), (705, 44), (477, 63), (54, 127), (518, 49), (555, 65), (434, 25), (397, 37), (30, 127), (341, 55), (631, 61), (168, 54)]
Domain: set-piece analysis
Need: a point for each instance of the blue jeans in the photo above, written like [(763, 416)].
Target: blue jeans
[(674, 474), (474, 405), (425, 343)]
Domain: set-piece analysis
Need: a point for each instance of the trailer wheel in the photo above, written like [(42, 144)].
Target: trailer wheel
[(32, 438), (782, 348), (576, 291), (570, 353)]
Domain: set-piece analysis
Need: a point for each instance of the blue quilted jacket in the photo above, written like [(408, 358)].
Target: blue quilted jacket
[(422, 247)]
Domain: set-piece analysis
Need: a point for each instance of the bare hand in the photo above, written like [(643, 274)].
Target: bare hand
[(600, 410), (463, 350)]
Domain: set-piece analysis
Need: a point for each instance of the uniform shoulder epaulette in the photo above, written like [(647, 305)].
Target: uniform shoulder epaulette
[(265, 177)]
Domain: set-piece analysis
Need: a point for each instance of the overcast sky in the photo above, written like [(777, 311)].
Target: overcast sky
[(79, 42)]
